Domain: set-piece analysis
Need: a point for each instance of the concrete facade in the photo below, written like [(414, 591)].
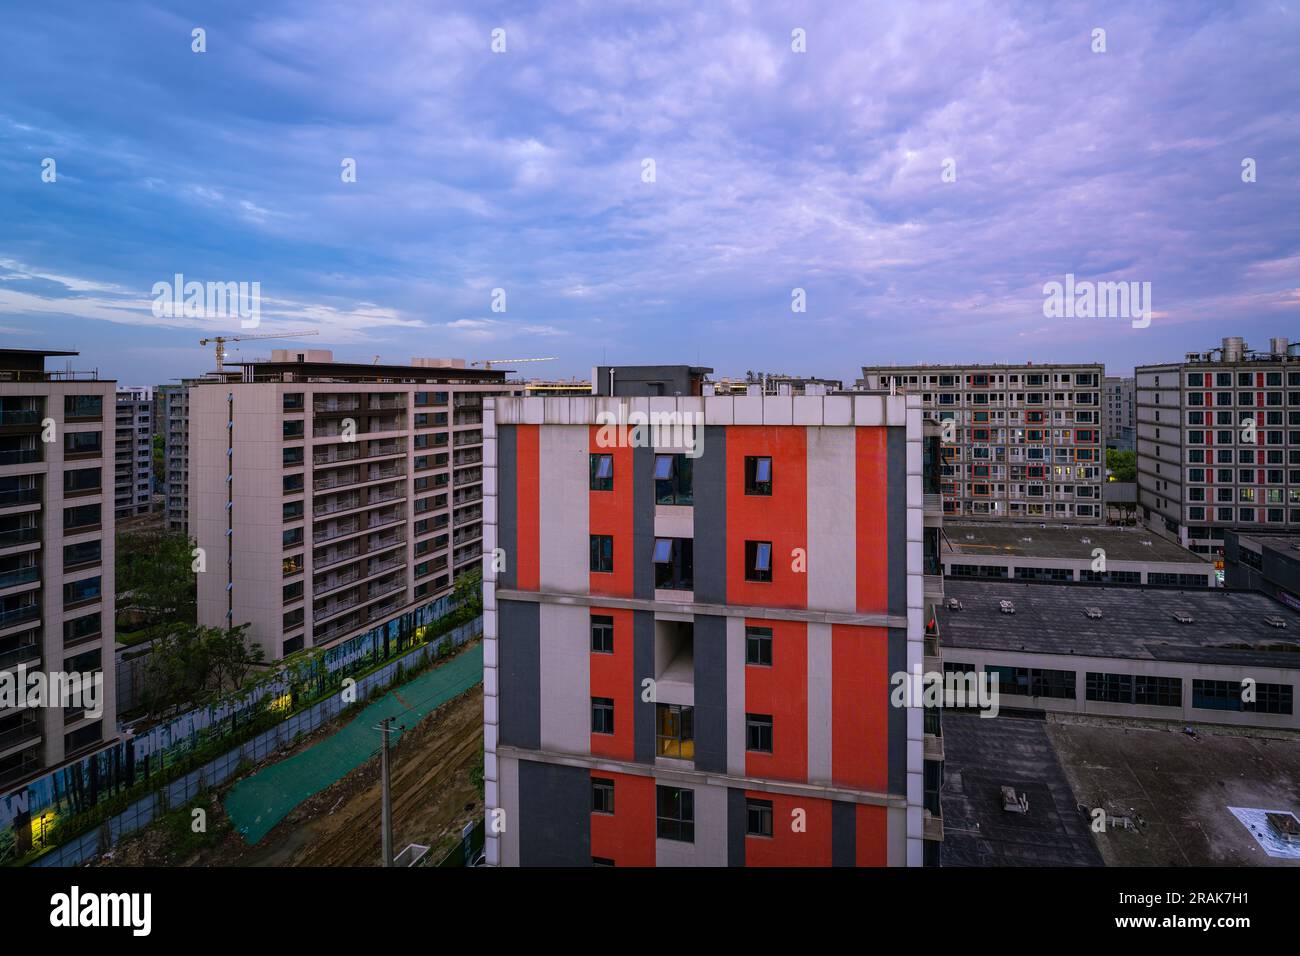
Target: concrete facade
[(1218, 443), (1026, 441), (597, 653), (329, 498), (57, 582)]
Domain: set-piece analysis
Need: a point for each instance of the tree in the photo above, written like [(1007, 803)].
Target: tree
[(468, 589), (156, 585), (193, 662), (1122, 464)]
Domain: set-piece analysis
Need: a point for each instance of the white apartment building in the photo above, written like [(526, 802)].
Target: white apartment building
[(1218, 443), (133, 458), (331, 499), (56, 553), (1025, 443)]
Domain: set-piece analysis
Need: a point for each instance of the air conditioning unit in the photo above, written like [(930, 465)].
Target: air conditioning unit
[(1274, 621), (1183, 617), (1092, 612), (1006, 607)]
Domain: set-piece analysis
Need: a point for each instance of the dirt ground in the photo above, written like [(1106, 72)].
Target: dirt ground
[(434, 795)]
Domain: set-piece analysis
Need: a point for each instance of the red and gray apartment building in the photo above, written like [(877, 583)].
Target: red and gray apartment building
[(665, 682)]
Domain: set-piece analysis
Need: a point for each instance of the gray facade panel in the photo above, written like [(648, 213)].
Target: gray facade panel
[(711, 693), (710, 490), (844, 834), (507, 502), (643, 522), (897, 715), (519, 666), (736, 826), (643, 666), (554, 815)]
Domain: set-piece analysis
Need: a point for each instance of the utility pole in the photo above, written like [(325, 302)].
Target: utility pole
[(386, 809)]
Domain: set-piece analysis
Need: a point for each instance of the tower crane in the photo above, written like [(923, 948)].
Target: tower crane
[(488, 363), (220, 341)]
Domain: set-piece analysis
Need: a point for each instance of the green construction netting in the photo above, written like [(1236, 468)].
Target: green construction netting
[(257, 803)]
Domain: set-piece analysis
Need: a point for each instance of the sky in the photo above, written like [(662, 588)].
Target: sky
[(648, 183)]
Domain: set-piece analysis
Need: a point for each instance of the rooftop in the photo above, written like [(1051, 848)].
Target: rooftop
[(1226, 627), (331, 371), (1034, 541), (981, 756), (1275, 542)]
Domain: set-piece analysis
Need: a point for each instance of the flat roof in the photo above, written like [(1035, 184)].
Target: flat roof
[(1178, 788), (1277, 542), (1032, 541), (1136, 623), (359, 371), (981, 756), (37, 351)]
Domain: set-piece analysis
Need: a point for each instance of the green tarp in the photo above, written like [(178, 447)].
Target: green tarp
[(257, 803)]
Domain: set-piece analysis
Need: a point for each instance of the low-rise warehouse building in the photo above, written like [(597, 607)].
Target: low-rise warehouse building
[(1062, 554), (1151, 653)]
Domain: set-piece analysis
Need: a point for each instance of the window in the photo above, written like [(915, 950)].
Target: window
[(88, 552), (758, 733), (292, 510), (758, 818), (675, 731), (602, 553), (674, 561), (675, 814), (602, 715), (86, 516), (292, 456), (758, 476), (292, 483), (292, 537), (292, 592), (1110, 688), (1158, 691), (293, 401), (758, 560), (1034, 682), (602, 795), (83, 406), (673, 480), (758, 646), (293, 430), (602, 472), (81, 479), (79, 591), (602, 634), (83, 443)]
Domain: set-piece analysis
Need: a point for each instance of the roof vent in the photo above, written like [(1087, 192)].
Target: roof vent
[(1274, 621), (1146, 544), (954, 604), (1085, 540), (1006, 607), (1026, 539), (971, 537), (1183, 617), (1092, 612)]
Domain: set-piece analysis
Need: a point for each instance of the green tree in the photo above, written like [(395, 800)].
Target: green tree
[(193, 663), (157, 589), (1122, 464), (468, 589)]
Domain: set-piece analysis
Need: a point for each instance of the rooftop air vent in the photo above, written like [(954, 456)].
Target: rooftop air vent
[(1183, 617), (1092, 612), (1085, 540), (1274, 621), (954, 604), (971, 537), (1026, 539), (1006, 607), (1146, 544)]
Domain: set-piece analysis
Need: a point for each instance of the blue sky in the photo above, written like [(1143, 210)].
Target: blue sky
[(774, 170)]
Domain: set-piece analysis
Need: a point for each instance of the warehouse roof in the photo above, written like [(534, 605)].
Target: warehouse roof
[(1209, 626), (1076, 542)]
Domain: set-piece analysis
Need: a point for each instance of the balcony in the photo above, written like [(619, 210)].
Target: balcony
[(29, 654), (396, 403), (336, 456), (331, 406), (337, 505), (27, 732), (340, 530), (335, 581), (20, 416), (19, 576), (19, 615), (16, 497), (20, 456)]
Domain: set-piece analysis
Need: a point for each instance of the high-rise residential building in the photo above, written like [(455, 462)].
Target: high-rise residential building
[(1025, 443), (332, 499), (1218, 443), (174, 425), (1119, 413), (690, 629), (56, 553), (133, 462)]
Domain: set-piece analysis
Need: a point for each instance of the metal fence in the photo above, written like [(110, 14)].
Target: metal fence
[(177, 793)]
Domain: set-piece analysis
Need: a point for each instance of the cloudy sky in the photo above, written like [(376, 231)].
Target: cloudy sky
[(525, 170)]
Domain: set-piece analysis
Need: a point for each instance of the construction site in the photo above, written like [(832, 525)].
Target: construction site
[(318, 802)]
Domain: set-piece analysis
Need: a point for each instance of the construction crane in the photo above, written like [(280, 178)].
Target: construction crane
[(221, 340), (488, 363)]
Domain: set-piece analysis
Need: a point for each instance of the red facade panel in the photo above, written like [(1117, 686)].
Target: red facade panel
[(781, 518), (613, 676), (626, 836), (781, 691)]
